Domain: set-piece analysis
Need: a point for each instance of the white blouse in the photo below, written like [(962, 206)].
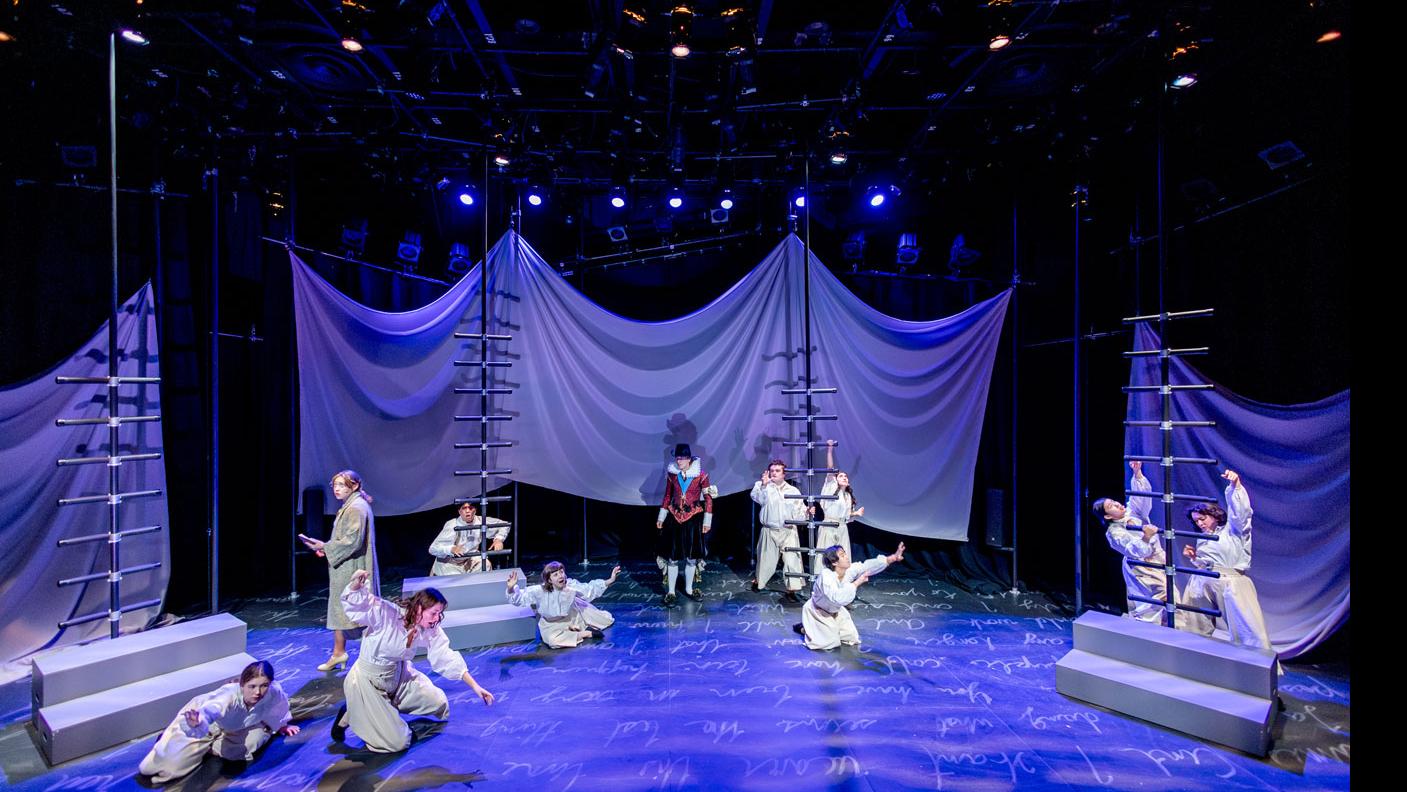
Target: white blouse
[(557, 603), (1230, 546), (776, 507), (224, 707), (385, 639), (837, 510), (830, 592)]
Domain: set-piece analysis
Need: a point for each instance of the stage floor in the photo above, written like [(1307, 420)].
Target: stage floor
[(949, 690)]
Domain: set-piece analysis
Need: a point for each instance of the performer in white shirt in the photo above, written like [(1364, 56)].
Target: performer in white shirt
[(825, 622), (565, 615), (232, 722), (457, 546), (382, 684), (1227, 551), (841, 510), (770, 493)]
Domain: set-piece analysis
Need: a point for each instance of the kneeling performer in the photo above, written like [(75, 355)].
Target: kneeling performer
[(825, 623)]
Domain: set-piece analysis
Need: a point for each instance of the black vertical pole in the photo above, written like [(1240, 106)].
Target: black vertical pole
[(114, 559), (1079, 425), (213, 532), (1015, 389), (1163, 371)]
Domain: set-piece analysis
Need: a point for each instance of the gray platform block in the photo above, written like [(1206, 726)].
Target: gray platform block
[(91, 723), (470, 590), (1213, 713), (76, 671), (1178, 652), (487, 626)]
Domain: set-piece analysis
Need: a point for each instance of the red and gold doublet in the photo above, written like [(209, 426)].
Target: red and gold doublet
[(692, 501)]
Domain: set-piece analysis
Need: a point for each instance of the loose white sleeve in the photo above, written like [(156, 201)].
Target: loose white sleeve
[(872, 567), (1140, 505), (212, 707), (1127, 542), (1238, 512), (275, 705), (497, 529), (588, 591), (525, 596), (446, 662), (369, 611), (443, 546), (759, 493)]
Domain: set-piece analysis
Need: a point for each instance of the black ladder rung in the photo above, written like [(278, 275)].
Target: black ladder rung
[(121, 419), (121, 458), (810, 418), (485, 499), (1195, 314), (106, 380), (484, 390), (102, 536), (822, 523), (1182, 569), (484, 445), (1168, 352), (1165, 496), (811, 497), (804, 444), (121, 496), (107, 614), (1171, 388), (1175, 460), (484, 363), (1170, 425), (483, 417), (1161, 603), (803, 391), (489, 336), (496, 472), (494, 527), (97, 575)]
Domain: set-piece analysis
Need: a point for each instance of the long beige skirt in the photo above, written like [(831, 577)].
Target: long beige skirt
[(377, 694), (565, 632)]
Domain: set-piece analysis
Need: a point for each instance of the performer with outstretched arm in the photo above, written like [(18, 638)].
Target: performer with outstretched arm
[(1227, 550), (841, 510), (565, 615), (825, 622)]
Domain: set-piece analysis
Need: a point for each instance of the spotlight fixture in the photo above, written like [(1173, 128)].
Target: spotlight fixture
[(875, 196), (676, 197), (502, 160), (853, 250), (535, 195), (408, 251), (466, 195), (617, 234), (1326, 37), (4, 37), (799, 198), (134, 37), (458, 258), (908, 250), (1184, 81), (999, 41), (718, 216), (725, 199), (350, 44), (681, 21), (354, 238), (839, 157), (618, 197)]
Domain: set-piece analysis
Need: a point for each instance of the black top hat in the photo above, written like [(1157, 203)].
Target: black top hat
[(682, 450)]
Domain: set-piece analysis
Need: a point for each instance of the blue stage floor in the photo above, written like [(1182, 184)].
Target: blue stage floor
[(949, 690)]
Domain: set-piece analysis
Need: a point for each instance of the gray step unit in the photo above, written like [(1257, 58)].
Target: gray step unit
[(91, 723), (1178, 652), (1219, 714), (470, 590), (76, 671), (490, 625)]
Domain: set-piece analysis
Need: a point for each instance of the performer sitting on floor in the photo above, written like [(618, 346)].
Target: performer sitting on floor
[(232, 722), (686, 514), (776, 508), (841, 510), (1227, 551), (382, 684), (565, 615), (456, 548), (825, 623)]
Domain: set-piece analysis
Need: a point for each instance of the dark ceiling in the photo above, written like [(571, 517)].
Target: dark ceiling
[(580, 96)]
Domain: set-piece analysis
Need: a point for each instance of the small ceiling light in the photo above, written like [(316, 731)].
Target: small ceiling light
[(681, 21), (1325, 38), (725, 199), (618, 197), (676, 198), (466, 195), (839, 157), (135, 37), (350, 44), (1184, 81), (5, 37), (999, 41), (876, 198), (535, 195), (502, 160)]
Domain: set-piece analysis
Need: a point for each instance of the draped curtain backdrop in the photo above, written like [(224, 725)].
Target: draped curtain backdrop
[(600, 400), (32, 522), (1294, 461)]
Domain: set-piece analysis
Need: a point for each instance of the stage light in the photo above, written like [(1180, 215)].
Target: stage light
[(876, 195), (1184, 81), (853, 250), (681, 21), (1328, 36), (502, 160), (800, 200), (408, 251), (350, 44), (999, 41), (908, 251), (839, 157), (466, 195), (617, 234), (535, 195), (676, 198), (354, 238), (134, 37), (618, 197), (458, 258), (725, 199), (4, 37)]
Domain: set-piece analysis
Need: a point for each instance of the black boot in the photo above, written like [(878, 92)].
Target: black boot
[(338, 731)]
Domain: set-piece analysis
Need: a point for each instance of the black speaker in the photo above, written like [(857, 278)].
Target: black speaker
[(996, 519)]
